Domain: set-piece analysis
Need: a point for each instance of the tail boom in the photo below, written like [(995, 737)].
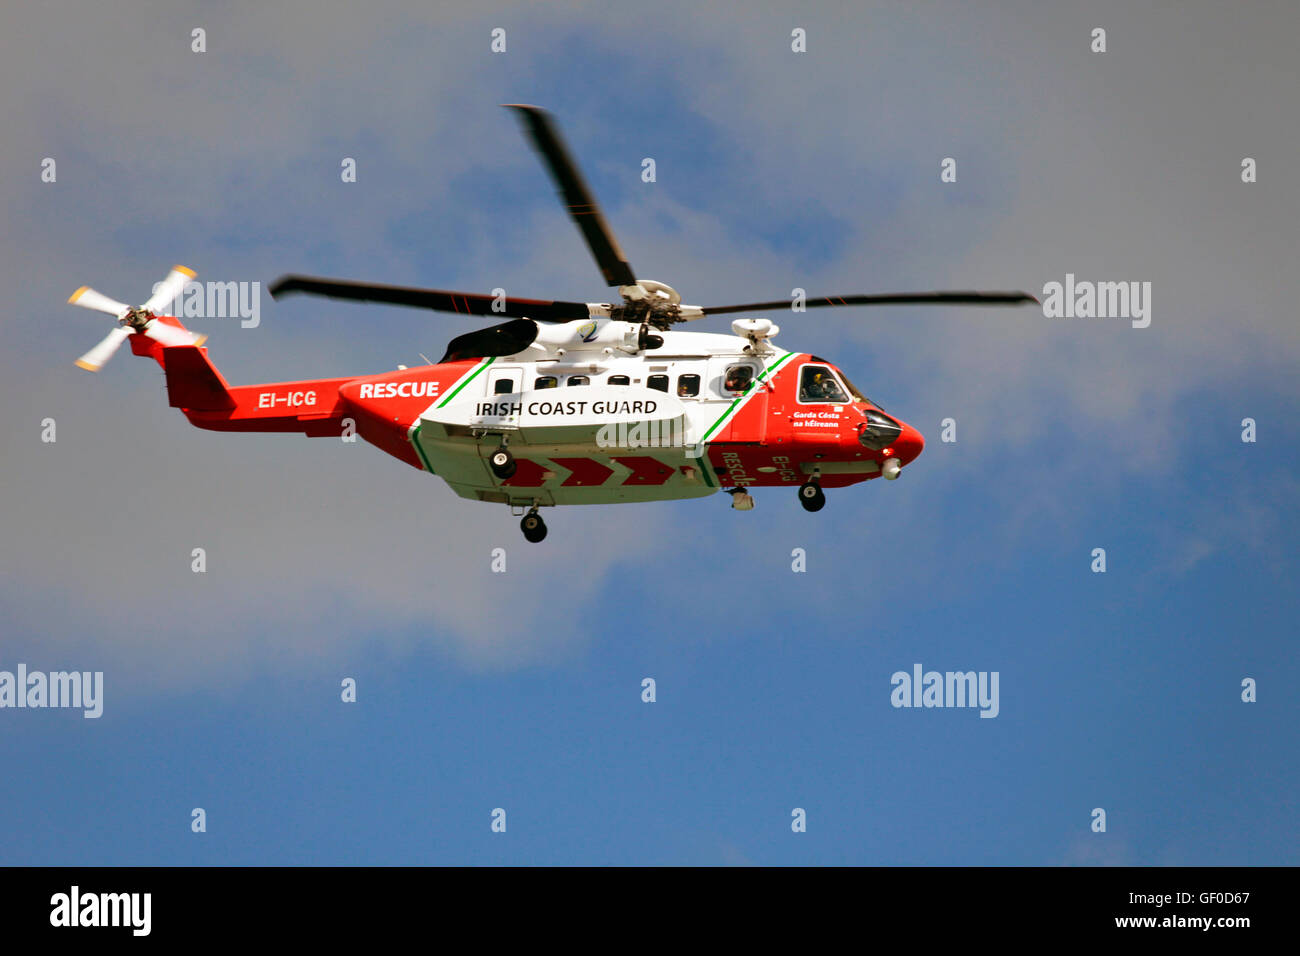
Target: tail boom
[(195, 386)]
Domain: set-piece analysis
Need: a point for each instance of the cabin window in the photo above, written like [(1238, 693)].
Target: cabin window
[(688, 386), (818, 384), (619, 380), (503, 386), (578, 380), (546, 381), (738, 378), (657, 381)]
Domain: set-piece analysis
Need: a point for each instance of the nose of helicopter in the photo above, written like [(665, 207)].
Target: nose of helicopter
[(908, 445)]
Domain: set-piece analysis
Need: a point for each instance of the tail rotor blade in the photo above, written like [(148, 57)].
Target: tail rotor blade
[(169, 289), (170, 335), (88, 298), (97, 357)]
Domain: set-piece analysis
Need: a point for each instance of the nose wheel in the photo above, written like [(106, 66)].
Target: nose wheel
[(811, 496), (533, 527)]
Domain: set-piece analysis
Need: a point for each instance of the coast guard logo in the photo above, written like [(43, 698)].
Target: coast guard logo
[(587, 331)]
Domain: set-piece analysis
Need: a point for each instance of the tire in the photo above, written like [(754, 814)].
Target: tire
[(812, 497), (503, 464), (533, 527)]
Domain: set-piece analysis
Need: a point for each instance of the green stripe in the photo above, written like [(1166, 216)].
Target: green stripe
[(706, 469), (752, 385), (415, 440), (730, 407), (465, 381), (415, 432)]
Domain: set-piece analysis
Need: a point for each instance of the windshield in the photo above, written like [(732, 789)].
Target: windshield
[(854, 390)]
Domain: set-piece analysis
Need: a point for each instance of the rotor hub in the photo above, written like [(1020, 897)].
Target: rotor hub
[(649, 302)]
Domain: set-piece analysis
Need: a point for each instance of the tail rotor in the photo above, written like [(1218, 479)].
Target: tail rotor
[(141, 319)]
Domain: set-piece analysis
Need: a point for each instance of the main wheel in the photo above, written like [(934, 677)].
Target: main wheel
[(812, 497), (502, 463), (533, 527)]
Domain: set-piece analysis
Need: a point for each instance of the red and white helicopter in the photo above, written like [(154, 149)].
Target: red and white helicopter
[(567, 403)]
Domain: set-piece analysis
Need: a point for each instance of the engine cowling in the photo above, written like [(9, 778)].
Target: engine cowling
[(592, 335)]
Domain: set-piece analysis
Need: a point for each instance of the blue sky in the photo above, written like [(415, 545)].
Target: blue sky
[(523, 691)]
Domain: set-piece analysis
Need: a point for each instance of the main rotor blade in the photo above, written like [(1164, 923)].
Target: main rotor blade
[(900, 298), (464, 303), (576, 195)]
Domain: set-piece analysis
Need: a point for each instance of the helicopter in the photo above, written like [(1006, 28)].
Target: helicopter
[(566, 403)]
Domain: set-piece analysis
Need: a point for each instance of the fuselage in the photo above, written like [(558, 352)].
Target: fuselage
[(591, 423)]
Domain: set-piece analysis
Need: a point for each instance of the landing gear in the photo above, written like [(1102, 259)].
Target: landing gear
[(811, 496), (533, 527), (503, 463)]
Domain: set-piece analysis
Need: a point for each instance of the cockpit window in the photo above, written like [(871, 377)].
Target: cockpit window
[(818, 384), (855, 391)]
